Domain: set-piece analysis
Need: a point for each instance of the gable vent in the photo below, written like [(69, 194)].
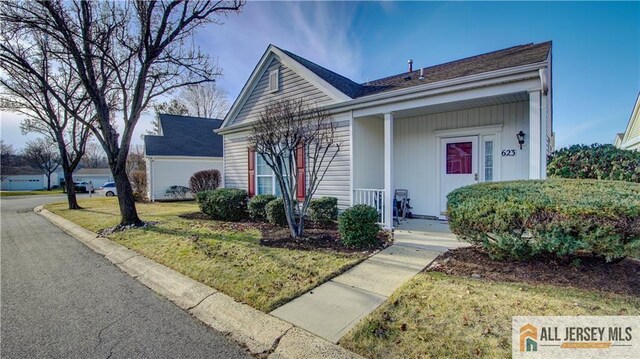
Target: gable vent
[(274, 80)]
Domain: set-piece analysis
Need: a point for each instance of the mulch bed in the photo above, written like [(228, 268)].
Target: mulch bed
[(622, 277), (317, 237)]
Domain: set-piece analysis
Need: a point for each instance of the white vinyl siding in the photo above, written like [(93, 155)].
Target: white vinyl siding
[(290, 86), (415, 149), (166, 172), (336, 183), (235, 161)]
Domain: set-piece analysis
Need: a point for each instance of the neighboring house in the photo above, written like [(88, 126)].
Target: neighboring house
[(630, 139), (429, 130), (97, 176), (27, 179), (185, 146)]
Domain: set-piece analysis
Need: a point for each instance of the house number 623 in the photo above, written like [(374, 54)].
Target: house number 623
[(508, 153)]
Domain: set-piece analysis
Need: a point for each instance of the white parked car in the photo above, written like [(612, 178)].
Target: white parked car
[(108, 189)]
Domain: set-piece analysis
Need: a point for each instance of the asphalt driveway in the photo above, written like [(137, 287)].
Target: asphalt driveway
[(59, 299)]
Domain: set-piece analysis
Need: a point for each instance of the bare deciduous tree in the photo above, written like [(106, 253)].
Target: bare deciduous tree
[(43, 155), (94, 156), (133, 52), (285, 128), (39, 83), (136, 162), (205, 100), (7, 155), (173, 107)]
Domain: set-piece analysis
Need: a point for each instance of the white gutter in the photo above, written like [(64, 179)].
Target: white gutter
[(458, 84)]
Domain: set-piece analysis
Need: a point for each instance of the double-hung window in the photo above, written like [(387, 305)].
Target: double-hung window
[(266, 182)]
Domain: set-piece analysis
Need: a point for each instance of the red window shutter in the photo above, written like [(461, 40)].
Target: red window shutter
[(252, 172), (300, 172)]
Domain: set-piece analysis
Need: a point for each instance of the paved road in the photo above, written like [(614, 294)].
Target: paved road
[(59, 299)]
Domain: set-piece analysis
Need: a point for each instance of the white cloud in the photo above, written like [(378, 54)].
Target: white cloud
[(318, 31)]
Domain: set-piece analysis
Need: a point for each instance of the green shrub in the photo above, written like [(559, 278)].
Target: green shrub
[(177, 192), (562, 217), (275, 212), (323, 210), (227, 204), (604, 162), (358, 226), (257, 206)]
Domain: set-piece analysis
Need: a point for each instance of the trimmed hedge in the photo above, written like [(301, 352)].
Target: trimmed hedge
[(227, 204), (563, 217), (257, 206), (358, 226), (596, 161), (323, 210), (275, 212)]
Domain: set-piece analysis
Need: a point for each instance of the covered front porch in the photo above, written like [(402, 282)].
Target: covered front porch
[(433, 146)]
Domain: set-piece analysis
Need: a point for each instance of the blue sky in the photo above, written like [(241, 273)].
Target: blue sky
[(596, 48)]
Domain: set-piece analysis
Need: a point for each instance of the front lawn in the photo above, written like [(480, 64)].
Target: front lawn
[(444, 316), (31, 193), (226, 256)]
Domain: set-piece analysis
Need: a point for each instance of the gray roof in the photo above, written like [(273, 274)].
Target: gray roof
[(93, 171), (185, 136), (343, 84), (25, 171), (492, 61)]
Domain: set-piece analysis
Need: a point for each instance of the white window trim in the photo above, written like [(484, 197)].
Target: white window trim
[(496, 165), (274, 73), (272, 176)]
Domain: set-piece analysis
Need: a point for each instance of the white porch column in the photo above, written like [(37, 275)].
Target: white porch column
[(544, 123), (388, 170), (535, 136)]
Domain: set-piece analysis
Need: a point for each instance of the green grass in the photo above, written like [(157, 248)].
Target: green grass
[(30, 193), (237, 264), (457, 317)]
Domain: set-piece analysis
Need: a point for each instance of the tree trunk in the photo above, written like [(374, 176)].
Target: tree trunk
[(49, 182), (128, 212), (71, 190)]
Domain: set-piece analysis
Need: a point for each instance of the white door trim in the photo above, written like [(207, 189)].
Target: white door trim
[(462, 132)]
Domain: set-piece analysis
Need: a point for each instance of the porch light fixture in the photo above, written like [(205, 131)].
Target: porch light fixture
[(520, 137)]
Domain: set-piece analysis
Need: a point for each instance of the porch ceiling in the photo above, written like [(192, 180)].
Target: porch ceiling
[(463, 105)]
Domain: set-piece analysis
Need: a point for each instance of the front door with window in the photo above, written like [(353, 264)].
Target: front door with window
[(459, 159)]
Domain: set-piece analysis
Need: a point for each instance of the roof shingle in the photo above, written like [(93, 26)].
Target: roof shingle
[(185, 136), (492, 61)]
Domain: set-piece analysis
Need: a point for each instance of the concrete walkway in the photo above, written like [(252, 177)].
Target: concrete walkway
[(333, 308), (261, 334)]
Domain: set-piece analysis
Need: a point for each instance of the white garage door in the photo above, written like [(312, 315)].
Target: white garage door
[(23, 184)]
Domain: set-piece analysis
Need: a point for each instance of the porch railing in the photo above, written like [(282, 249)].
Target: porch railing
[(371, 197)]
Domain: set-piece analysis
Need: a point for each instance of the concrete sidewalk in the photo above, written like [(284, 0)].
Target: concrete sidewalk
[(336, 306), (262, 334)]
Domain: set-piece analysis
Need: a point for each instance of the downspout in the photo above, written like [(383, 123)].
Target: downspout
[(151, 191)]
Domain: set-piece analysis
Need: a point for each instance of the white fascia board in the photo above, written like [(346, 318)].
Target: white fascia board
[(634, 117), (453, 95), (305, 73), (247, 88), (485, 79), (308, 75)]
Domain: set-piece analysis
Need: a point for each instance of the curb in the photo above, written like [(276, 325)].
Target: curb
[(262, 334)]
